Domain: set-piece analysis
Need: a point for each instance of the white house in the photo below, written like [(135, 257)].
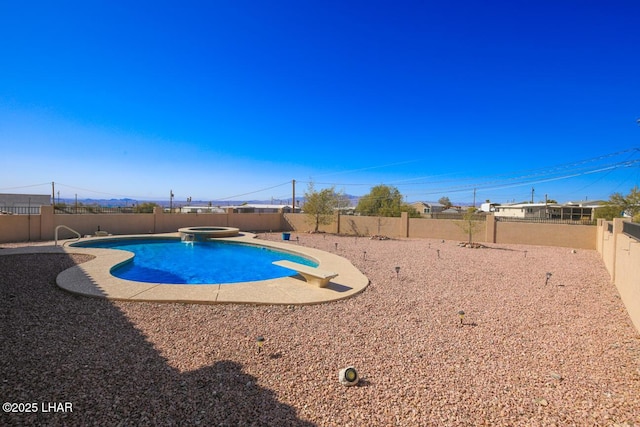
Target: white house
[(263, 208), (574, 211), (202, 209)]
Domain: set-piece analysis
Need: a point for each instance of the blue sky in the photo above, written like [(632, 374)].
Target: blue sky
[(235, 99)]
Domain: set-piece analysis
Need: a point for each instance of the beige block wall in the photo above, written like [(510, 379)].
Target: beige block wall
[(111, 223), (627, 275), (443, 229), (371, 226), (606, 246), (621, 256), (18, 228), (15, 228), (302, 224), (572, 236)]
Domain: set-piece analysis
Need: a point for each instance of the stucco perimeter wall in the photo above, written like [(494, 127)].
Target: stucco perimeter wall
[(571, 236), (443, 229), (111, 223), (167, 223), (489, 231), (372, 226), (627, 275), (606, 244), (303, 224), (349, 225), (20, 228), (621, 256)]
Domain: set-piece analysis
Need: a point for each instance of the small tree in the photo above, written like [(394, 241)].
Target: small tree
[(470, 223), (629, 204), (320, 206), (146, 207), (608, 212), (446, 202), (384, 200)]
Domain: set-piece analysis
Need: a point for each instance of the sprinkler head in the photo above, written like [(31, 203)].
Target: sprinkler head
[(364, 254), (397, 271), (547, 279)]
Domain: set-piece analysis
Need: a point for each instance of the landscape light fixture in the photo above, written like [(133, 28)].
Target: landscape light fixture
[(438, 251), (461, 314), (364, 255), (548, 277), (336, 246), (397, 272), (348, 376), (525, 254), (260, 343)]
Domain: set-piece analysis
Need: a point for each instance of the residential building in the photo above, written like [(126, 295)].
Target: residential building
[(427, 208)]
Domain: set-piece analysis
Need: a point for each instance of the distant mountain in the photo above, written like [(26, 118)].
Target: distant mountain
[(165, 203)]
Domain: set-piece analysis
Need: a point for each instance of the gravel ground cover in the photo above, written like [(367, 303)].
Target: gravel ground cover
[(528, 351)]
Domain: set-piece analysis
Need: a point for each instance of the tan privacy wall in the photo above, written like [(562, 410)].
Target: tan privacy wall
[(486, 231), (21, 228), (573, 236), (621, 256), (16, 228)]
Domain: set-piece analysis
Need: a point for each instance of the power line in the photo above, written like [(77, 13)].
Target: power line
[(256, 191), (25, 186)]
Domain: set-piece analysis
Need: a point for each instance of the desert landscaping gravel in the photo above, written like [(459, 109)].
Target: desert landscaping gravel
[(529, 351)]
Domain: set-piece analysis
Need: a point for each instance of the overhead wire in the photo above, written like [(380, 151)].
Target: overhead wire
[(499, 181)]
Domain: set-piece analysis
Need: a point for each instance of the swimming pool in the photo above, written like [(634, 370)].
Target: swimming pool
[(172, 261)]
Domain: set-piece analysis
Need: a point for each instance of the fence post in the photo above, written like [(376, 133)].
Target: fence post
[(47, 222), (490, 228), (404, 224), (617, 229)]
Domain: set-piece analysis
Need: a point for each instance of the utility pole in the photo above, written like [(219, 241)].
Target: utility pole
[(474, 198), (293, 200), (546, 208), (532, 191), (53, 194)]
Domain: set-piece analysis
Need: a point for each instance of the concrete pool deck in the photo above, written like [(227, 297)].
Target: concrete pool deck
[(93, 278)]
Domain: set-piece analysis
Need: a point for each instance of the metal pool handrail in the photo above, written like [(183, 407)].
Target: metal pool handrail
[(70, 229)]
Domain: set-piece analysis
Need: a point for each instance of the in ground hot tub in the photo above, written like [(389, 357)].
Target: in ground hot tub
[(202, 233)]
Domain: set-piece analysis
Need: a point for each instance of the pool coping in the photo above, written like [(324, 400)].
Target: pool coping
[(93, 278)]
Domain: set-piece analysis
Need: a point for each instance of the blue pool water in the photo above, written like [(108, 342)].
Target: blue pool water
[(197, 263)]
